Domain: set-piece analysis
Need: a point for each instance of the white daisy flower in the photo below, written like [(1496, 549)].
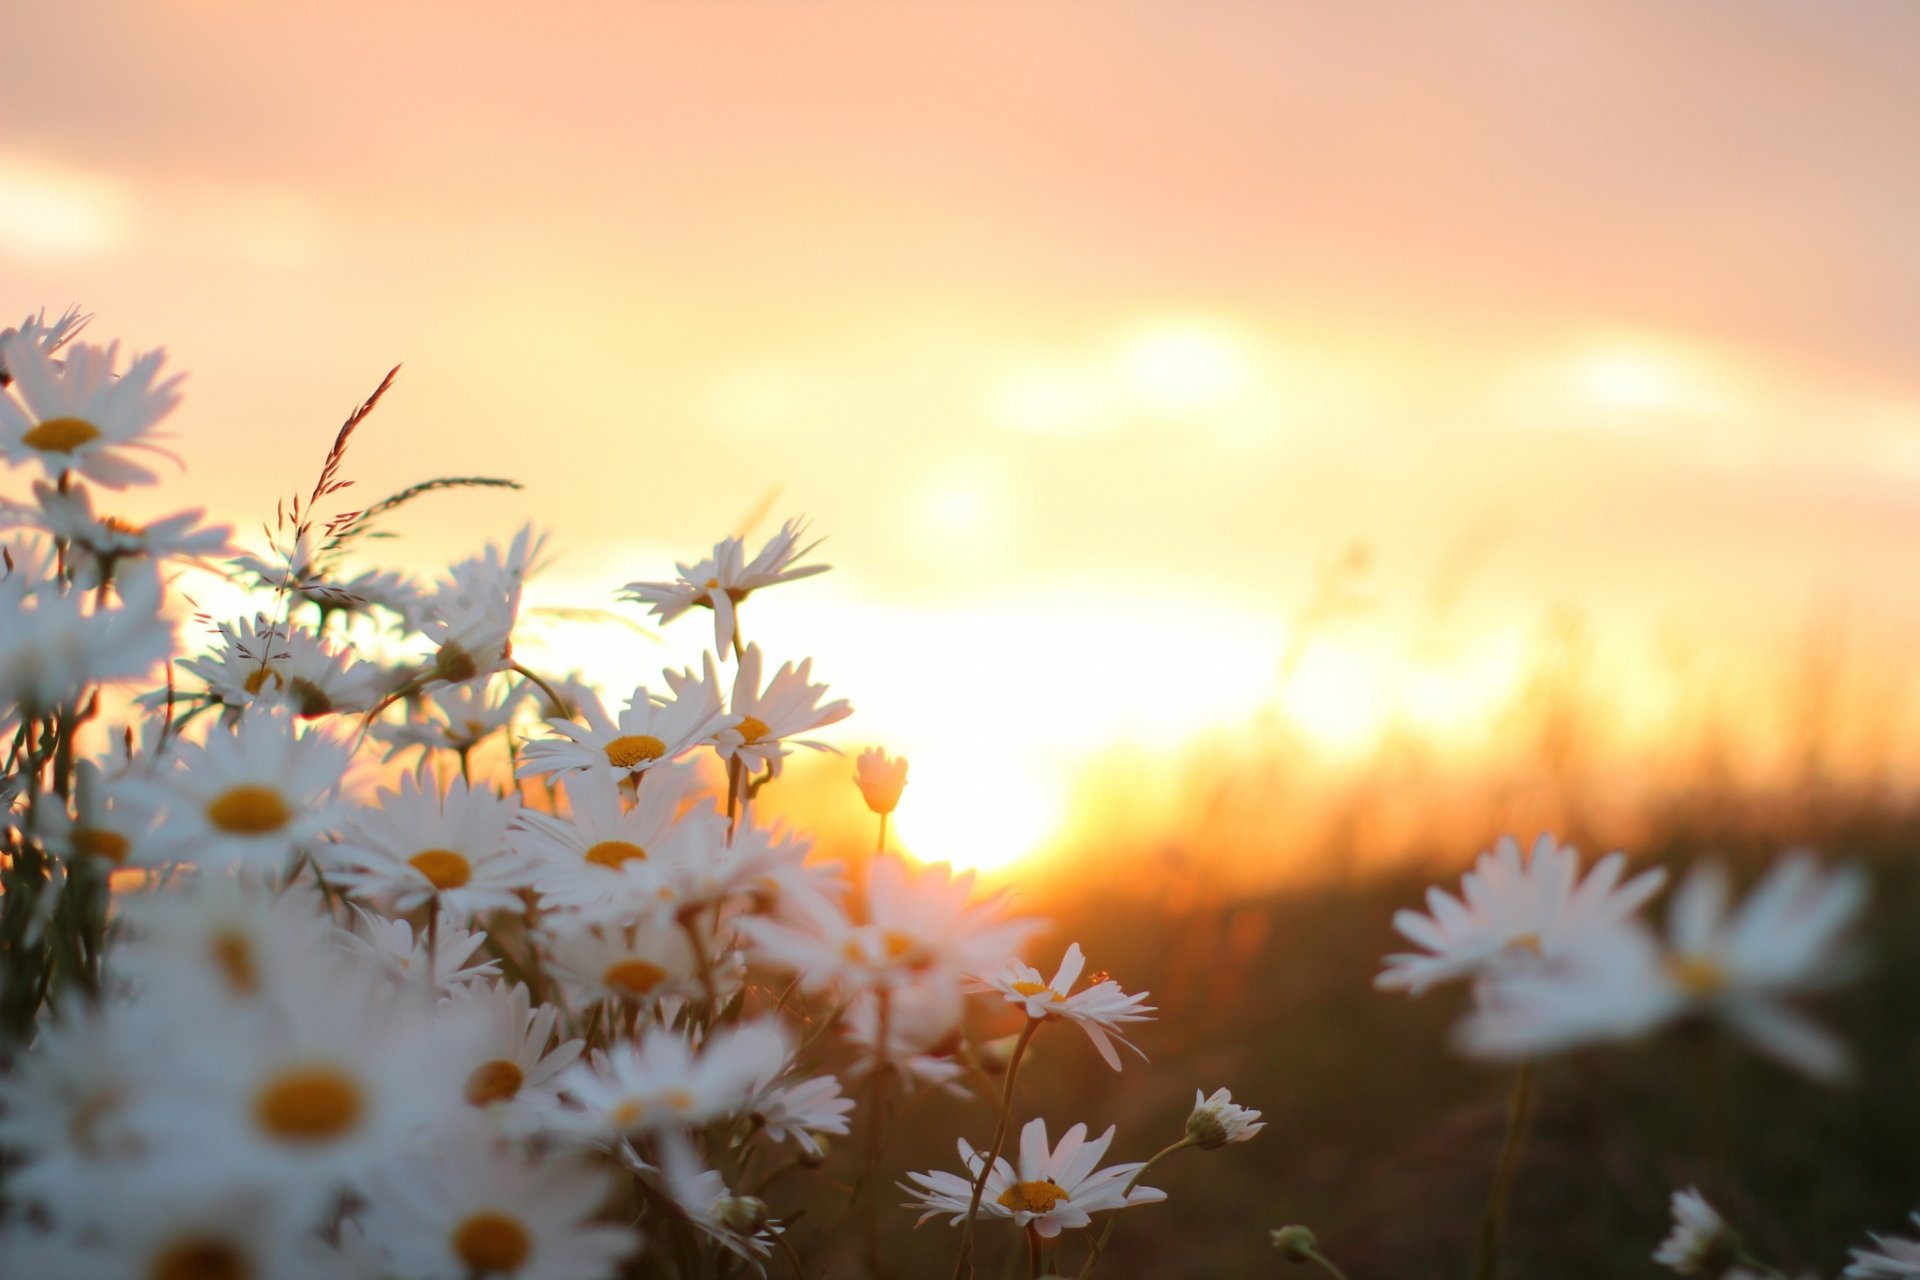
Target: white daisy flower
[(738, 1223), (77, 415), (218, 941), (64, 1104), (470, 1205), (769, 719), (1700, 1241), (455, 717), (54, 643), (608, 857), (644, 959), (881, 779), (1098, 1009), (261, 661), (1214, 1122), (105, 823), (801, 1110), (95, 544), (922, 1028), (154, 1222), (661, 1083), (471, 616), (766, 865), (48, 338), (725, 578), (417, 845), (250, 796), (1738, 967), (1511, 913), (1050, 1190), (649, 732), (1891, 1258), (518, 1059), (401, 954), (920, 924)]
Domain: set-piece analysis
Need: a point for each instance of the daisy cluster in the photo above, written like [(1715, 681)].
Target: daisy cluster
[(364, 950)]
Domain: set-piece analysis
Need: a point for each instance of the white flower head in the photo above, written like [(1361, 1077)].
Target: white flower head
[(662, 1083), (1098, 1009), (455, 717), (54, 642), (1049, 1190), (1700, 1241), (1216, 1121), (1891, 1258), (49, 338), (471, 616), (96, 544), (768, 719), (79, 415), (724, 579), (651, 731), (1513, 914), (417, 845)]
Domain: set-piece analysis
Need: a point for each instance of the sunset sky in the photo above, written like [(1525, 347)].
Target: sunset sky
[(1090, 335)]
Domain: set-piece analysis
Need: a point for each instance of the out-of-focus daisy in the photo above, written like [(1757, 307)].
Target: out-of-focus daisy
[(216, 941), (149, 1221), (95, 544), (1049, 1190), (105, 824), (78, 415), (401, 953), (249, 796), (64, 1113), (1700, 1241), (471, 616), (455, 717), (919, 924), (802, 1109), (662, 1082), (469, 1205), (1737, 967), (1513, 913), (416, 845), (725, 578), (765, 864), (649, 732), (1216, 1121), (279, 663), (643, 959), (53, 643), (738, 1223), (922, 1031), (881, 779), (771, 718), (607, 857), (1891, 1258), (517, 1060), (47, 338), (1098, 1009)]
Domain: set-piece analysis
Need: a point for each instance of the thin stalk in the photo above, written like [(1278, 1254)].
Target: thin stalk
[(1315, 1256), (433, 947), (963, 1265), (1106, 1232), (1036, 1263), (1493, 1220)]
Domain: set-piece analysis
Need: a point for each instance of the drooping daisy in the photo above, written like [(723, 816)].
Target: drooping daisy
[(78, 415), (1737, 967), (1891, 1258), (1050, 1190), (609, 858), (1700, 1241), (801, 1110), (650, 731), (417, 845), (1216, 1121), (1098, 1009), (1514, 913), (725, 578), (471, 1205), (770, 719), (471, 616), (261, 661), (919, 924), (661, 1082), (250, 796)]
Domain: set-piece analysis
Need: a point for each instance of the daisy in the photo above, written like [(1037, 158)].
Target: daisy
[(470, 1205), (249, 796), (739, 1224), (725, 578), (802, 1110), (661, 1083), (770, 718), (77, 415), (271, 662), (1891, 1258), (153, 1222), (517, 1060), (1514, 914), (765, 864), (1700, 1240), (1214, 1122), (470, 618), (609, 857), (105, 824), (401, 954), (96, 543), (49, 338), (455, 717), (1049, 1190), (646, 958), (1737, 967), (64, 1112), (219, 942), (53, 644), (416, 845), (922, 1031), (1098, 1009), (651, 730), (881, 779), (920, 924)]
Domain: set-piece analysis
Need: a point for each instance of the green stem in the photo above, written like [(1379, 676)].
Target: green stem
[(1494, 1219), (1315, 1256), (1106, 1232), (963, 1265)]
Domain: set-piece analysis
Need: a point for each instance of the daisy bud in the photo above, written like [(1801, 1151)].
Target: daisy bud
[(1296, 1244), (880, 779), (1216, 1121), (745, 1214)]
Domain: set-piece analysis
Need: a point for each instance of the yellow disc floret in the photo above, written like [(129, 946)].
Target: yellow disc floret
[(1033, 1197), (751, 729), (309, 1105), (60, 435), (633, 977), (631, 749), (200, 1258), (611, 853), (490, 1243), (496, 1081), (443, 868), (1697, 975), (248, 810)]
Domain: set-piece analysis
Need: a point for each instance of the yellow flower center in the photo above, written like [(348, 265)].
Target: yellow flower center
[(249, 811), (1033, 1197), (443, 868), (101, 843), (751, 729), (1697, 975), (118, 525), (232, 955), (496, 1081), (258, 679), (1038, 988), (633, 1110), (454, 664), (1528, 942), (200, 1258), (60, 435), (612, 853), (634, 977), (634, 748), (490, 1241), (308, 1105)]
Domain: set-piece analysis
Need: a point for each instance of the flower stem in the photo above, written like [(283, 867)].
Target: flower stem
[(1315, 1256), (963, 1265), (1106, 1232), (1493, 1220)]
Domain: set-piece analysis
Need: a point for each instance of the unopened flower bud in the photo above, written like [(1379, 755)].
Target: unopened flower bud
[(1215, 1121), (880, 779), (1296, 1244), (745, 1214)]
